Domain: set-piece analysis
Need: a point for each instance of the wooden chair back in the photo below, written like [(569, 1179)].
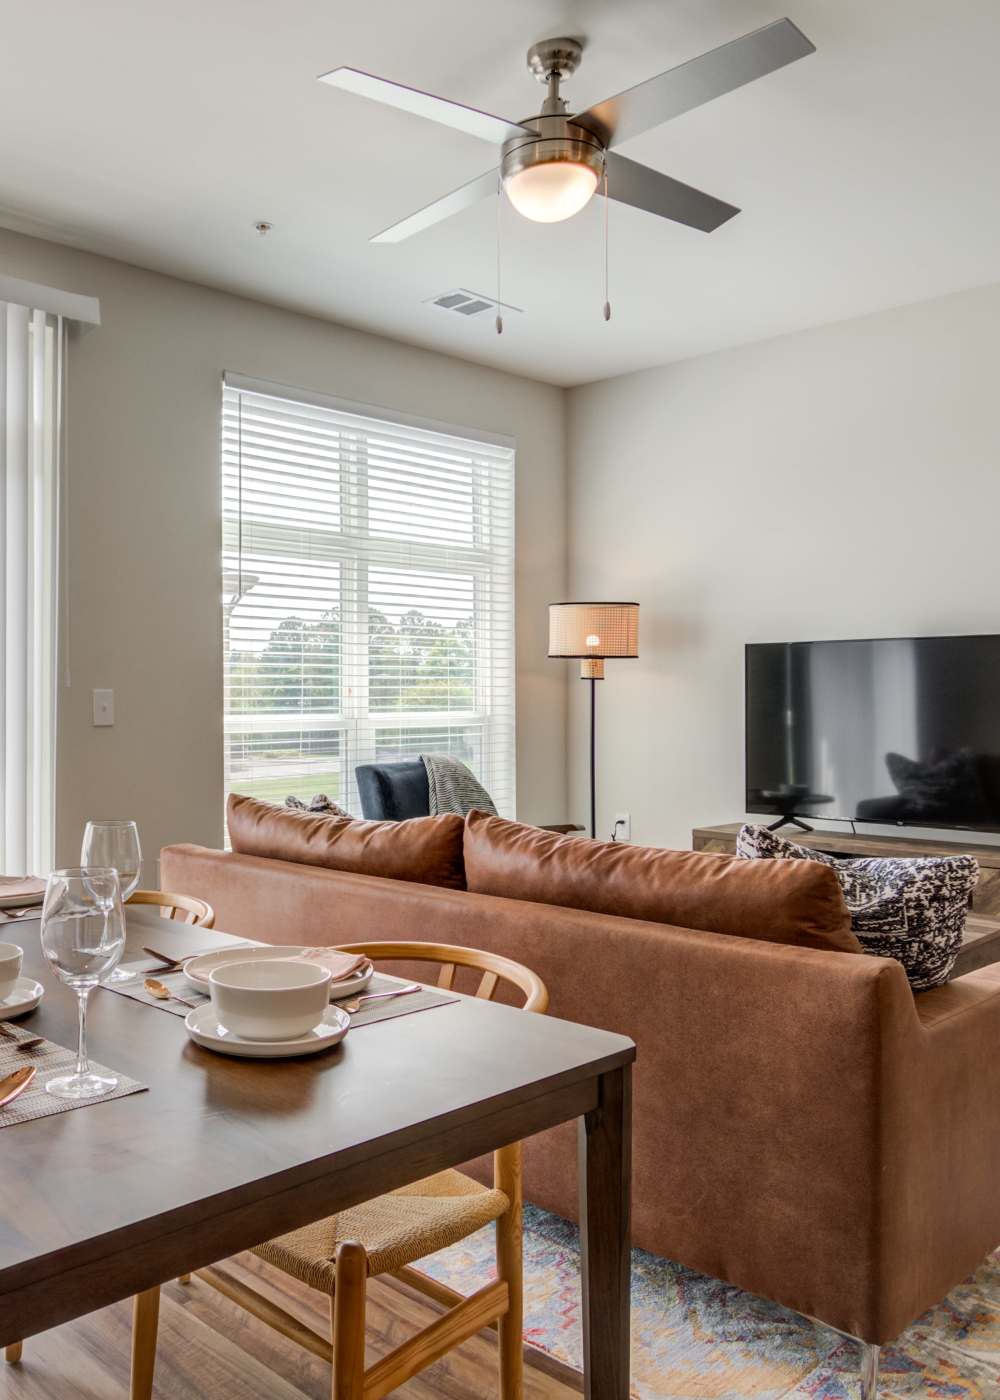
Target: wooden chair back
[(495, 969), (182, 907)]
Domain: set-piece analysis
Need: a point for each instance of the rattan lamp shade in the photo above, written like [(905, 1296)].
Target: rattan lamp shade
[(593, 629)]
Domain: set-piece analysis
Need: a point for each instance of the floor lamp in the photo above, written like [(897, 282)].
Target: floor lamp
[(590, 633)]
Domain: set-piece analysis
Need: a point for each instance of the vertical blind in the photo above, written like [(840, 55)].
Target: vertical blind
[(368, 596), (30, 406)]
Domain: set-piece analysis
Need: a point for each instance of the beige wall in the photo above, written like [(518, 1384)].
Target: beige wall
[(842, 482), (144, 529)]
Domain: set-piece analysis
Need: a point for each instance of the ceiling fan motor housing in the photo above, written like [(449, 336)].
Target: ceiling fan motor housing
[(555, 58), (559, 139)]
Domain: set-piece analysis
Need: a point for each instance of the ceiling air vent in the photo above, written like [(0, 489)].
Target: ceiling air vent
[(467, 303)]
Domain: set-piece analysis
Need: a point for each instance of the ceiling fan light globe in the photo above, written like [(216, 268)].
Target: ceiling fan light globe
[(551, 192)]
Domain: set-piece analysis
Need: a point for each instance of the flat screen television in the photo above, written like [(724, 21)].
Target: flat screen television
[(903, 730)]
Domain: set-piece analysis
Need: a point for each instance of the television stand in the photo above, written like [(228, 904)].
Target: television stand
[(981, 945), (985, 898), (790, 821)]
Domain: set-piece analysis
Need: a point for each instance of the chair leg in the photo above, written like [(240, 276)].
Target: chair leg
[(507, 1177), (12, 1353), (348, 1323), (145, 1320), (869, 1371)]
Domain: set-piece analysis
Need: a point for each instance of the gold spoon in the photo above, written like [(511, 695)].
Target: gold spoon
[(16, 1083), (156, 989)]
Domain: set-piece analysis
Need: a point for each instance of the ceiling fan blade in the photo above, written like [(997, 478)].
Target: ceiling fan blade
[(643, 188), (425, 104), (463, 198), (699, 80)]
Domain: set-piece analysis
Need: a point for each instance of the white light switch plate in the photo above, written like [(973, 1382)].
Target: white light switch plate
[(104, 707), (623, 826)]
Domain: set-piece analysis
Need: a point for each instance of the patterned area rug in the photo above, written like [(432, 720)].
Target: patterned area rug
[(694, 1338)]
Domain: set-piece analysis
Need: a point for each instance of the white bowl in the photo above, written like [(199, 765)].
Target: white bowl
[(272, 1000), (10, 968)]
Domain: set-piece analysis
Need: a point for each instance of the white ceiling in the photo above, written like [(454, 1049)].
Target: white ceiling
[(158, 132)]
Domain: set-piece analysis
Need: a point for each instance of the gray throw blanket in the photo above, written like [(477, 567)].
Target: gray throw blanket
[(453, 788)]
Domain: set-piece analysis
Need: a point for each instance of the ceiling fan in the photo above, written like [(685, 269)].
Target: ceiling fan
[(551, 164)]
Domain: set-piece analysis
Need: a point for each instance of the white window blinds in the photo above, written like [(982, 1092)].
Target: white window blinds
[(30, 399), (368, 596)]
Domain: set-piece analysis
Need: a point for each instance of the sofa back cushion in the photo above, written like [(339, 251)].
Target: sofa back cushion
[(426, 850), (796, 902)]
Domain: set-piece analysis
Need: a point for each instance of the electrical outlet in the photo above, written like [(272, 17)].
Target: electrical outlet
[(104, 707), (623, 826)]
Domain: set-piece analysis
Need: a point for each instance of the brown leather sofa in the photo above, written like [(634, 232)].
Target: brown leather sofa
[(804, 1127)]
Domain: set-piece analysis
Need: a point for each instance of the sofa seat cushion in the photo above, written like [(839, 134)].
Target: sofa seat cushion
[(776, 902), (425, 850), (911, 908)]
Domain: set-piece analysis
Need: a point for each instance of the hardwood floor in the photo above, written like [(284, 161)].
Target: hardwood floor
[(211, 1350)]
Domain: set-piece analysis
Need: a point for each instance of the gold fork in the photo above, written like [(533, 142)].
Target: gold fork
[(30, 1043), (177, 963), (357, 1003)]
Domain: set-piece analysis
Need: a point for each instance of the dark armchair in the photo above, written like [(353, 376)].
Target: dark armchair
[(393, 791), (397, 791)]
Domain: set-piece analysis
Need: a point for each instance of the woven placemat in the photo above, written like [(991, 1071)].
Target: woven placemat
[(49, 1059), (189, 996), (424, 1000)]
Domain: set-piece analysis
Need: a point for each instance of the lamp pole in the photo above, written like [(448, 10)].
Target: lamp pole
[(592, 670), (593, 757)]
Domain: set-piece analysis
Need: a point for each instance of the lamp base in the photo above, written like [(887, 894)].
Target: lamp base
[(592, 668)]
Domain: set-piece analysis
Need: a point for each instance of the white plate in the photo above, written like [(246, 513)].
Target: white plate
[(204, 1029), (26, 995), (10, 898), (196, 970), (350, 986)]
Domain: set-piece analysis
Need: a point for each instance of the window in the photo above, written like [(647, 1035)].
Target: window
[(368, 596), (31, 361)]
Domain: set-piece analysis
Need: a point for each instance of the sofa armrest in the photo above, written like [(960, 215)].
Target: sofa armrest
[(944, 1160)]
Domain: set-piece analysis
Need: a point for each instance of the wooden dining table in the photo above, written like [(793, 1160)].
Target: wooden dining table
[(106, 1200)]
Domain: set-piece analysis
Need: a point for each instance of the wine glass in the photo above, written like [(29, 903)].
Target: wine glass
[(115, 844), (83, 937)]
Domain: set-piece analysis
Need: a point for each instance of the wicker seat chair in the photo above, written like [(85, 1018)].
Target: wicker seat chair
[(387, 1235), (182, 907)]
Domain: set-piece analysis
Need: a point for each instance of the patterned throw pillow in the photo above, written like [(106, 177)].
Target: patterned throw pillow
[(912, 910)]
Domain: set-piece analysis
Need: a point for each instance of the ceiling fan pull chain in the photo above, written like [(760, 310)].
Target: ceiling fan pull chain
[(499, 203), (607, 303)]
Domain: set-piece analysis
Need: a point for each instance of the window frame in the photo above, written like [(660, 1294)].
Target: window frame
[(358, 553)]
